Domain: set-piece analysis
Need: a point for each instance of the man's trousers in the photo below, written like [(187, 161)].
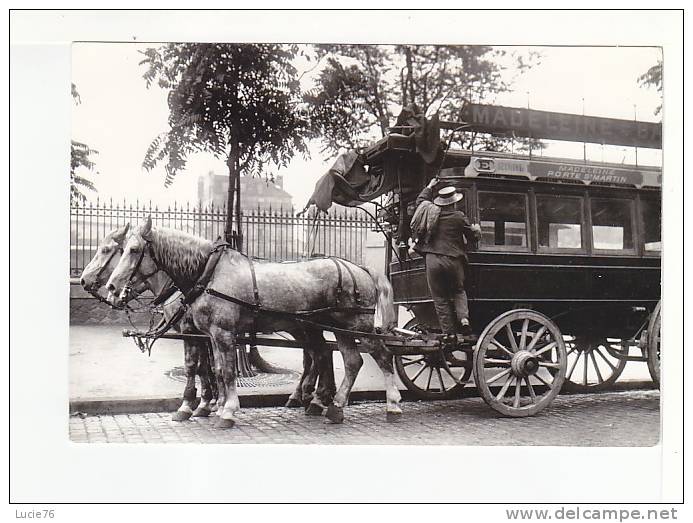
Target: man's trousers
[(445, 276)]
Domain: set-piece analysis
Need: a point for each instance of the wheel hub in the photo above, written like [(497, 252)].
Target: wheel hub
[(524, 364)]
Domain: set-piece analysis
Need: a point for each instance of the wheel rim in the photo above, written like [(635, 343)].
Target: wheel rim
[(654, 345), (520, 363), (593, 362), (428, 376)]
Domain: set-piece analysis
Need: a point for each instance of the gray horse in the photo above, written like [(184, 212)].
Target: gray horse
[(197, 353), (303, 286)]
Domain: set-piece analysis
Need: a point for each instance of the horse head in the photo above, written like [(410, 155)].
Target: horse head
[(135, 266), (100, 267)]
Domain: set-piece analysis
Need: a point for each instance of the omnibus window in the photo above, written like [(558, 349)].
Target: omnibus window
[(559, 220), (503, 219), (612, 227), (652, 224)]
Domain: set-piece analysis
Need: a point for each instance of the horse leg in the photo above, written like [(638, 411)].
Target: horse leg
[(225, 342), (204, 371), (213, 382), (383, 357), (352, 364), (326, 389), (191, 353), (219, 379), (296, 398)]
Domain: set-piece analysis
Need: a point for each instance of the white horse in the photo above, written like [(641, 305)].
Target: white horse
[(196, 352), (284, 288)]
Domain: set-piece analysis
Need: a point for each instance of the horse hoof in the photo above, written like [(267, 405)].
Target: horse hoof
[(225, 423), (293, 403), (314, 410), (181, 415), (201, 412), (306, 403), (334, 414), (393, 416)]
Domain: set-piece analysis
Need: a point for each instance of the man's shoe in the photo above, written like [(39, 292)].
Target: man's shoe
[(466, 328)]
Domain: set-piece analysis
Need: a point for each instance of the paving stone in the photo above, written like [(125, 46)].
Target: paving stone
[(610, 419)]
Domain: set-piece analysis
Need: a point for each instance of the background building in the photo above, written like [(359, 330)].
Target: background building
[(212, 189)]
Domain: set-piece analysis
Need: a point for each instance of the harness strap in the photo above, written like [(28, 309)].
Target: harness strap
[(357, 295), (301, 316), (256, 292), (340, 290), (207, 273), (165, 294)]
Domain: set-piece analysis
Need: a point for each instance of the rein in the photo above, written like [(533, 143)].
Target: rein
[(145, 340)]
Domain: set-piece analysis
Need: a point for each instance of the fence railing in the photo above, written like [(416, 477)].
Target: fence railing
[(270, 234)]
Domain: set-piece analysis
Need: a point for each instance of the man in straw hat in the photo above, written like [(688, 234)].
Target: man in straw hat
[(444, 249)]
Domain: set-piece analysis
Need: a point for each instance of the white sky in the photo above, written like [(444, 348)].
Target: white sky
[(118, 116)]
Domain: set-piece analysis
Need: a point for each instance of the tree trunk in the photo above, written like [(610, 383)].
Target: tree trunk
[(230, 201), (410, 76)]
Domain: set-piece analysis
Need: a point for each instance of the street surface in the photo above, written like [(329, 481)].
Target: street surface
[(609, 419)]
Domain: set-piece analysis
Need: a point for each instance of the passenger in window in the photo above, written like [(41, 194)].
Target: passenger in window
[(444, 247)]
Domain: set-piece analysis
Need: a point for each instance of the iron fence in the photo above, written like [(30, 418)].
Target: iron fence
[(270, 234)]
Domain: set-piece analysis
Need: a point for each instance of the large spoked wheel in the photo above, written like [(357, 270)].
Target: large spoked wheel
[(429, 376), (654, 343), (593, 363), (520, 363)]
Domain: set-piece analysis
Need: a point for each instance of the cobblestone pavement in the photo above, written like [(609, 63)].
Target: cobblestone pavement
[(609, 419)]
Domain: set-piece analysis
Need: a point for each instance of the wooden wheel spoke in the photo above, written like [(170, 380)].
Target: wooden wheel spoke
[(550, 364), (504, 388), (613, 368), (446, 368), (523, 336), (411, 362), (596, 367), (572, 350), (545, 348), (501, 347), (498, 376), (430, 375), (511, 336), (549, 385), (537, 337), (584, 370), (423, 368), (516, 401), (497, 361), (572, 368), (532, 394), (440, 378)]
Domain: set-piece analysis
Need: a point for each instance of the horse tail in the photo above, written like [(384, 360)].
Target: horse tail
[(385, 317)]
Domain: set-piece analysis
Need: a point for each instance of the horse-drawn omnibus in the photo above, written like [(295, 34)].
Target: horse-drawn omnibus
[(577, 242), (563, 287)]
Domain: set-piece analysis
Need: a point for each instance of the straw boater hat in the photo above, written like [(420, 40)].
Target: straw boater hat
[(447, 196)]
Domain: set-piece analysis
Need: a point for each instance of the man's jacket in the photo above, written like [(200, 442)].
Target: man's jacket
[(448, 236)]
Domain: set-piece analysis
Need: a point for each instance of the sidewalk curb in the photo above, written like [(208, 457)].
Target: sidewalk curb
[(111, 406)]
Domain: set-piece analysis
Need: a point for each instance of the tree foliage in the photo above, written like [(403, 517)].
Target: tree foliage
[(80, 158), (366, 85), (240, 102), (653, 78)]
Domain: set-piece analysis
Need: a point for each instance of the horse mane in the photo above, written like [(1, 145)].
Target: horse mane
[(181, 253)]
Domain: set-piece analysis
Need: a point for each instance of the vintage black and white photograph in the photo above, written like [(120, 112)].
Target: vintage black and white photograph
[(345, 243)]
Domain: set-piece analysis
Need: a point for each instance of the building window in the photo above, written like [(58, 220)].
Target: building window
[(652, 224), (503, 220), (559, 222), (612, 224)]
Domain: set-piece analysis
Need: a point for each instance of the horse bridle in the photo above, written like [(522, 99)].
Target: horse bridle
[(95, 291), (128, 287)]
